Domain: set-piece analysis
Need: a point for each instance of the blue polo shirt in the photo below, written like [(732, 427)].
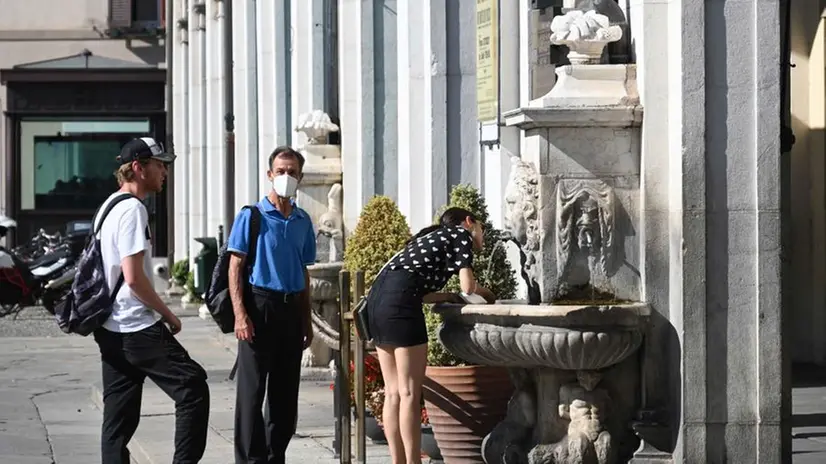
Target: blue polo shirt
[(285, 246)]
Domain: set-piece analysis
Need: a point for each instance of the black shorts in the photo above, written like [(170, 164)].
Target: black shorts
[(394, 309)]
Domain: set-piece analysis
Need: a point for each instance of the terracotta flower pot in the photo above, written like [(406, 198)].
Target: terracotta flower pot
[(464, 404)]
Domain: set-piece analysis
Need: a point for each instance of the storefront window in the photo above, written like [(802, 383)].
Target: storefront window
[(70, 165)]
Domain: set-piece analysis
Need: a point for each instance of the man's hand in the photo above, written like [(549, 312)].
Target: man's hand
[(173, 322), (308, 334), (243, 327)]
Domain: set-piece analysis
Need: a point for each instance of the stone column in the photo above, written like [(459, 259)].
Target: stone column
[(245, 88), (422, 94), (181, 128), (215, 158), (197, 130), (309, 88), (724, 240), (274, 66), (356, 105)]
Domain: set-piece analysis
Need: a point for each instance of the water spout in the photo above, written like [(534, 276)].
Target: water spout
[(534, 295)]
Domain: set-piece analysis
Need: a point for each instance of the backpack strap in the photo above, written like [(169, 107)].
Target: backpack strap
[(96, 229), (253, 232), (107, 210)]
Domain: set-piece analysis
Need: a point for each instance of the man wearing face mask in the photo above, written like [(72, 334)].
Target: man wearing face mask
[(272, 313)]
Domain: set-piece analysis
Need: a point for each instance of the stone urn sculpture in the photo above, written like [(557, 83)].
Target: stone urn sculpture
[(585, 34)]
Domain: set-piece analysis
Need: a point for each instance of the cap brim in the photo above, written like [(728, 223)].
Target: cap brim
[(165, 157)]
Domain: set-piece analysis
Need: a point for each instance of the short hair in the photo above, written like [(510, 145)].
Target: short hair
[(289, 152), (125, 173)]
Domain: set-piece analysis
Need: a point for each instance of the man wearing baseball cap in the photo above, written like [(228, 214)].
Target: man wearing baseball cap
[(144, 148), (137, 341)]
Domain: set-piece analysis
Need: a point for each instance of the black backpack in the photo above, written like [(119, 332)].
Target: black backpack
[(89, 303), (216, 296)]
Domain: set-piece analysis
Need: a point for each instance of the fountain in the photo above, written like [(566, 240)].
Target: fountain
[(573, 204), (321, 196)]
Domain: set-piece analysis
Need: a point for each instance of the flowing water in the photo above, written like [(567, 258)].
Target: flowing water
[(534, 296)]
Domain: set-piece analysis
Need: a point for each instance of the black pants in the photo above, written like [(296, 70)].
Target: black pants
[(275, 355), (128, 358)]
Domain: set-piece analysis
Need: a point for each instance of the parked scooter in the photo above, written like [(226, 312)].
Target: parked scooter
[(44, 279)]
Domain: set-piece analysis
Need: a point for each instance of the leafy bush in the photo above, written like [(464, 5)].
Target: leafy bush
[(381, 232), (180, 272), (490, 266)]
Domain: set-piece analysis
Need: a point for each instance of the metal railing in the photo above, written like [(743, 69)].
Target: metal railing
[(351, 347)]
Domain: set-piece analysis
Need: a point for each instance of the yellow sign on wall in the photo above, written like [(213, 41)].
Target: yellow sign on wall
[(487, 60)]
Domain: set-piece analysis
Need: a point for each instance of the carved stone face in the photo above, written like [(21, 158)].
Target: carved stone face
[(330, 224), (514, 218), (587, 224)]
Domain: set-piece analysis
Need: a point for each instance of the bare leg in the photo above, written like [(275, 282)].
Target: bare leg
[(390, 411), (410, 367)]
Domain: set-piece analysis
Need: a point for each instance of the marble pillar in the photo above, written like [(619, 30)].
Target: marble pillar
[(181, 90), (214, 103), (197, 130), (274, 37), (245, 88), (356, 105), (309, 61), (422, 100)]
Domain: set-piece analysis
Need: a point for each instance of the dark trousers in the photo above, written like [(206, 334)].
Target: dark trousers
[(275, 355), (128, 358)]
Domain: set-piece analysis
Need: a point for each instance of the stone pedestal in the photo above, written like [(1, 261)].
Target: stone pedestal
[(320, 194), (324, 291), (583, 141), (321, 171)]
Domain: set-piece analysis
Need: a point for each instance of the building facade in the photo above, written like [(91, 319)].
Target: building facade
[(731, 240), (78, 78)]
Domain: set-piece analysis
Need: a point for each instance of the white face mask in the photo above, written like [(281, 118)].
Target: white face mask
[(284, 185)]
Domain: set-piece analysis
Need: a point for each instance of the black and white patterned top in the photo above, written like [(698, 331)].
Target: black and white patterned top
[(437, 256)]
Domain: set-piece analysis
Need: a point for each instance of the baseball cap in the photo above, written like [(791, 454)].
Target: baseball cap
[(144, 148)]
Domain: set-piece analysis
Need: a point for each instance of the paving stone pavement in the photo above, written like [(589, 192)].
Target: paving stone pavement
[(50, 399), (50, 386)]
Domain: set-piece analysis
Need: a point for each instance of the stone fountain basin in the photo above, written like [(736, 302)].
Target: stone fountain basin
[(568, 337), (324, 280)]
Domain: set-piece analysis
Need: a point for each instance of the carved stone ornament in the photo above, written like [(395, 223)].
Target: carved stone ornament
[(587, 440), (316, 125), (330, 236), (585, 228), (522, 211), (585, 34)]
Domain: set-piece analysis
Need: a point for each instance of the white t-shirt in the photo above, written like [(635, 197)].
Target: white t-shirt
[(126, 232)]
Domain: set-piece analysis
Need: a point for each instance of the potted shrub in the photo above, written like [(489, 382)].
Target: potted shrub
[(178, 277), (191, 297), (381, 232), (464, 401)]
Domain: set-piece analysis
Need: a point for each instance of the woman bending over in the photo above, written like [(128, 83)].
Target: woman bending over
[(397, 325)]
